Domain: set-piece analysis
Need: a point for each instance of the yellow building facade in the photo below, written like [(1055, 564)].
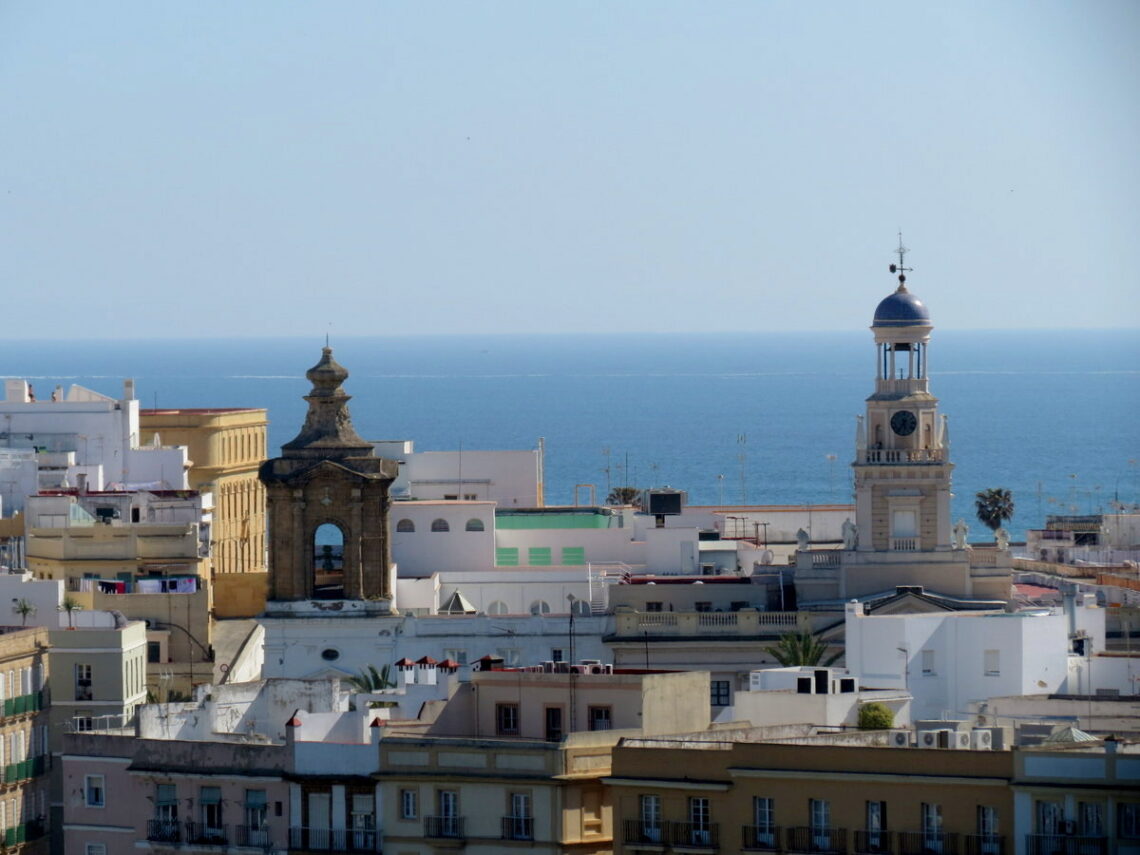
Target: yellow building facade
[(24, 751), (226, 448)]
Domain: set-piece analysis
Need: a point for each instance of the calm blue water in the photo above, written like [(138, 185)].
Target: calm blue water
[(1052, 416)]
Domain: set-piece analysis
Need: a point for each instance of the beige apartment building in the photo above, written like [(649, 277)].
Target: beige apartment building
[(517, 758), (24, 733)]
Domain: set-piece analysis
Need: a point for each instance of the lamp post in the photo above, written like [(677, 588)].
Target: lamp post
[(571, 599)]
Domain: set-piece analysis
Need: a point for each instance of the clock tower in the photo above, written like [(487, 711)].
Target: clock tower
[(902, 463)]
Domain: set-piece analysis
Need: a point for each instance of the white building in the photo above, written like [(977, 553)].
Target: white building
[(508, 478), (80, 438), (948, 660), (825, 697)]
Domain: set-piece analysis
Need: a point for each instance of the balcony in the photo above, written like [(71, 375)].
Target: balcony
[(928, 843), (163, 831), (201, 832), (904, 544), (904, 455), (874, 842), (1061, 844), (444, 827), (984, 844), (760, 838), (695, 835), (518, 828), (640, 831), (245, 835), (331, 839), (827, 840)]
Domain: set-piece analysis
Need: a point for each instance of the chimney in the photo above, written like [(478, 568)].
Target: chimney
[(129, 389)]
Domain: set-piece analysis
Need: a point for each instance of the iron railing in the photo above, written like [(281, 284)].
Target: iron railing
[(760, 838), (443, 826), (822, 840), (518, 828)]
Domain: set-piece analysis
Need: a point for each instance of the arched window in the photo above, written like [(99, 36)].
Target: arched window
[(474, 525), (440, 525), (405, 525), (328, 561), (540, 607), (497, 608)]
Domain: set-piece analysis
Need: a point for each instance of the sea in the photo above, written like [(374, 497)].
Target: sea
[(731, 418)]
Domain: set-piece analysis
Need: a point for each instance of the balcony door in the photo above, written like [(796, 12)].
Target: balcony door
[(320, 820)]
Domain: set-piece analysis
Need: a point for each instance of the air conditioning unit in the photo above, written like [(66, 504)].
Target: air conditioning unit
[(900, 738), (548, 666), (929, 738), (579, 669), (981, 740), (597, 669), (590, 661), (959, 739), (607, 669)]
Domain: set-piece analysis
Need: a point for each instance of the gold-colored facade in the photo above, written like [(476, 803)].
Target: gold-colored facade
[(226, 448), (24, 749)]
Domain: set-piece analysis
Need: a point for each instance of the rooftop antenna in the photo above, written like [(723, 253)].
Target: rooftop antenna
[(899, 268)]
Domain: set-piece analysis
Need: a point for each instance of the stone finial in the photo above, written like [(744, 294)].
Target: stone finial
[(328, 425)]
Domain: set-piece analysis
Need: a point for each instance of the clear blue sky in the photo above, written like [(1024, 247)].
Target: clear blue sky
[(228, 168)]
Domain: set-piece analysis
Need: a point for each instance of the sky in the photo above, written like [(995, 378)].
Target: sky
[(193, 168)]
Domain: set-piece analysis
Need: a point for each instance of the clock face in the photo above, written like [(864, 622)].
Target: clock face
[(904, 422)]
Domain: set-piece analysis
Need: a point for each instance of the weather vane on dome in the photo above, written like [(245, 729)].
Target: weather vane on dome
[(899, 268)]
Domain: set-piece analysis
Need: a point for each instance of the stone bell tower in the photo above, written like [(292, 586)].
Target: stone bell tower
[(328, 483)]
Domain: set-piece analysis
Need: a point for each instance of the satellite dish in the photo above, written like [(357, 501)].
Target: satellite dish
[(767, 556)]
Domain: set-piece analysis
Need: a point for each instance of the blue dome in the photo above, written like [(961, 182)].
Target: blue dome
[(902, 309)]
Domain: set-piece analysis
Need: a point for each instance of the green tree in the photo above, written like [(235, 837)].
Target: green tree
[(371, 680), (994, 506), (876, 716), (801, 648), (624, 496), (71, 606), (25, 610)]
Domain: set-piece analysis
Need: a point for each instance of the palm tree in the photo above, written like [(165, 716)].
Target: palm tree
[(801, 648), (371, 680), (71, 605), (25, 610), (994, 506)]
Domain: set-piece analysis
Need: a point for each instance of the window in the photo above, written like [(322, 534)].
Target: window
[(450, 497), (507, 719), (511, 656), (83, 682), (456, 654), (538, 556), (703, 606), (210, 802), (819, 812), (719, 692), (497, 608), (932, 827), (520, 823), (1091, 819), (474, 525), (876, 824), (94, 792), (988, 830), (1049, 817), (557, 654), (166, 803), (763, 822), (653, 606), (405, 525), (574, 556), (651, 818), (992, 663), (553, 724), (506, 556), (95, 849), (540, 607), (409, 804), (699, 824), (448, 813), (440, 525), (471, 497), (599, 718), (256, 810), (928, 663), (362, 820), (1128, 820)]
